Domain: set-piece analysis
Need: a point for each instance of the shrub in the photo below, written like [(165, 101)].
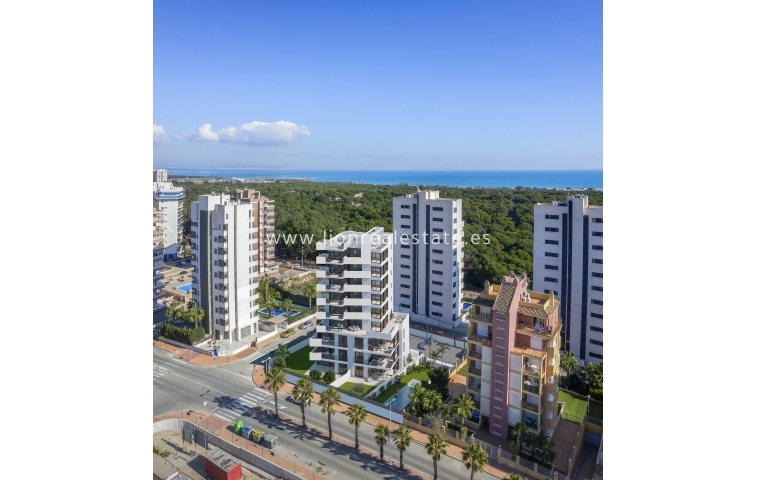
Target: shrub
[(316, 374), (358, 389), (329, 377), (187, 336)]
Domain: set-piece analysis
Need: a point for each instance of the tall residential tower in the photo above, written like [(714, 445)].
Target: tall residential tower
[(170, 200), (263, 214)]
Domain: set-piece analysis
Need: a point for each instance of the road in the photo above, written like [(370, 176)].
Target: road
[(229, 392)]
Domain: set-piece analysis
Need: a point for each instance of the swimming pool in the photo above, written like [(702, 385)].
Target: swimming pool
[(278, 311), (466, 305), (185, 288), (403, 395)]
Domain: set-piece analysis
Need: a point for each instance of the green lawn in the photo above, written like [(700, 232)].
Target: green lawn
[(463, 371), (575, 406), (595, 410), (347, 387), (299, 361), (420, 373)]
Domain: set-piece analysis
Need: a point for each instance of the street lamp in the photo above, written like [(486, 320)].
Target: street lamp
[(394, 397)]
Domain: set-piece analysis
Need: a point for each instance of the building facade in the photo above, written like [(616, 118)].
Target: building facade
[(170, 200), (158, 239), (568, 262), (225, 260), (428, 257), (513, 357), (159, 175), (264, 215), (358, 332)]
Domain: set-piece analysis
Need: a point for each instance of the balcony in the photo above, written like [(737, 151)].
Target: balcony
[(531, 406), (480, 339), (532, 368), (541, 331), (479, 318), (474, 354), (475, 387), (474, 371), (532, 387)]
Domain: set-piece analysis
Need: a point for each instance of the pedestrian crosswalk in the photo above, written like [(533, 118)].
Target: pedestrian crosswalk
[(158, 371), (230, 412)]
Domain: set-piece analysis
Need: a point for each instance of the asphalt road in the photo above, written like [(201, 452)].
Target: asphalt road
[(178, 386)]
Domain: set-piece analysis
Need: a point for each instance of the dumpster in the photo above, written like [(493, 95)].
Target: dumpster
[(256, 435), (246, 432), (238, 427), (269, 441)]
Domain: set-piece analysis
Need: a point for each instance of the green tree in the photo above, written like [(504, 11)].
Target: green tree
[(357, 414), (311, 292), (173, 311), (287, 305), (403, 437), (520, 430), (315, 374), (569, 363), (463, 407), (545, 446), (475, 459), (438, 379), (436, 447), (270, 305), (512, 476), (329, 377), (381, 438), (303, 394), (330, 399), (280, 356), (265, 281), (275, 379), (358, 389)]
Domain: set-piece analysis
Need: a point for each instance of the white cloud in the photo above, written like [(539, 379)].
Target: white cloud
[(253, 133), (158, 134)]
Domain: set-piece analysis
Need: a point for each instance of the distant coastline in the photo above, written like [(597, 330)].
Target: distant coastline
[(557, 179)]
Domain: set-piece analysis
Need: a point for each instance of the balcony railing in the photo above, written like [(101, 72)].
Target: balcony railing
[(545, 331), (474, 371), (529, 388), (479, 339), (476, 355), (476, 387), (531, 406), (479, 318)]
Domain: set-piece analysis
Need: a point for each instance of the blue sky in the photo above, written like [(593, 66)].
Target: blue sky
[(368, 85)]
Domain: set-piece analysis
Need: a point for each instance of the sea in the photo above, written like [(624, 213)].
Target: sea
[(558, 179)]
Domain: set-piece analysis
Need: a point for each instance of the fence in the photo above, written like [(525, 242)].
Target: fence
[(490, 450)]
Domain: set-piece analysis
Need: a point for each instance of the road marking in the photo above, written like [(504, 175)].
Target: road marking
[(203, 385)]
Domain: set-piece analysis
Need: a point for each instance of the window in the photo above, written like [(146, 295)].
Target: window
[(437, 219), (404, 305), (404, 226), (405, 266), (437, 230), (596, 288), (596, 329), (438, 262), (596, 315), (552, 242), (404, 206), (436, 304), (596, 274), (436, 314), (550, 267), (404, 295), (552, 217), (596, 234), (596, 302), (551, 229), (550, 279), (454, 210), (454, 284), (402, 285), (436, 282), (454, 305), (551, 254), (596, 247), (436, 272), (596, 260), (405, 256), (595, 342), (404, 246), (404, 276), (404, 216), (436, 251), (437, 209), (596, 220), (595, 355), (438, 294)]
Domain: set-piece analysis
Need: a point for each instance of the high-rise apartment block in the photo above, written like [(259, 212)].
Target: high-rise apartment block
[(225, 258), (159, 175), (264, 215), (358, 332), (158, 238), (170, 200), (568, 262), (428, 257), (513, 357)]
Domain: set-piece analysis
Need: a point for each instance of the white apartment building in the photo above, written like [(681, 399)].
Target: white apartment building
[(358, 332), (170, 200), (428, 257), (264, 215), (158, 238), (159, 175), (568, 262), (225, 259)]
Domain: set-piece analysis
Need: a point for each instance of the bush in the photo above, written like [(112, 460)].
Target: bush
[(187, 336), (329, 377), (301, 314), (316, 375), (358, 389)]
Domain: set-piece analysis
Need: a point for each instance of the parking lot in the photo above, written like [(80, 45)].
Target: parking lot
[(450, 356)]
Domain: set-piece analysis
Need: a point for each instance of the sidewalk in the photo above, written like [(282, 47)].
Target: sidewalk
[(201, 359), (494, 468)]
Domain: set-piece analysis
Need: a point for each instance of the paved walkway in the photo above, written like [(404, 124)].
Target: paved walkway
[(201, 359), (453, 451)]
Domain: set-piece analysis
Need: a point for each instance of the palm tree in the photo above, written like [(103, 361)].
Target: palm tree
[(270, 305), (475, 459), (357, 414), (463, 407), (434, 357), (443, 347), (265, 280), (417, 397), (287, 305), (381, 438), (530, 441), (275, 379), (520, 430), (173, 311), (303, 394), (329, 400), (569, 363), (512, 476), (435, 447), (403, 437), (544, 444), (311, 292)]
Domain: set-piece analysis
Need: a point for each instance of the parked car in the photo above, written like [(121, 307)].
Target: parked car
[(422, 346), (296, 265), (288, 333), (307, 324), (292, 400)]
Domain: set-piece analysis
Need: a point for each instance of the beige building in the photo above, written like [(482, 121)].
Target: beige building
[(263, 212), (513, 354)]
